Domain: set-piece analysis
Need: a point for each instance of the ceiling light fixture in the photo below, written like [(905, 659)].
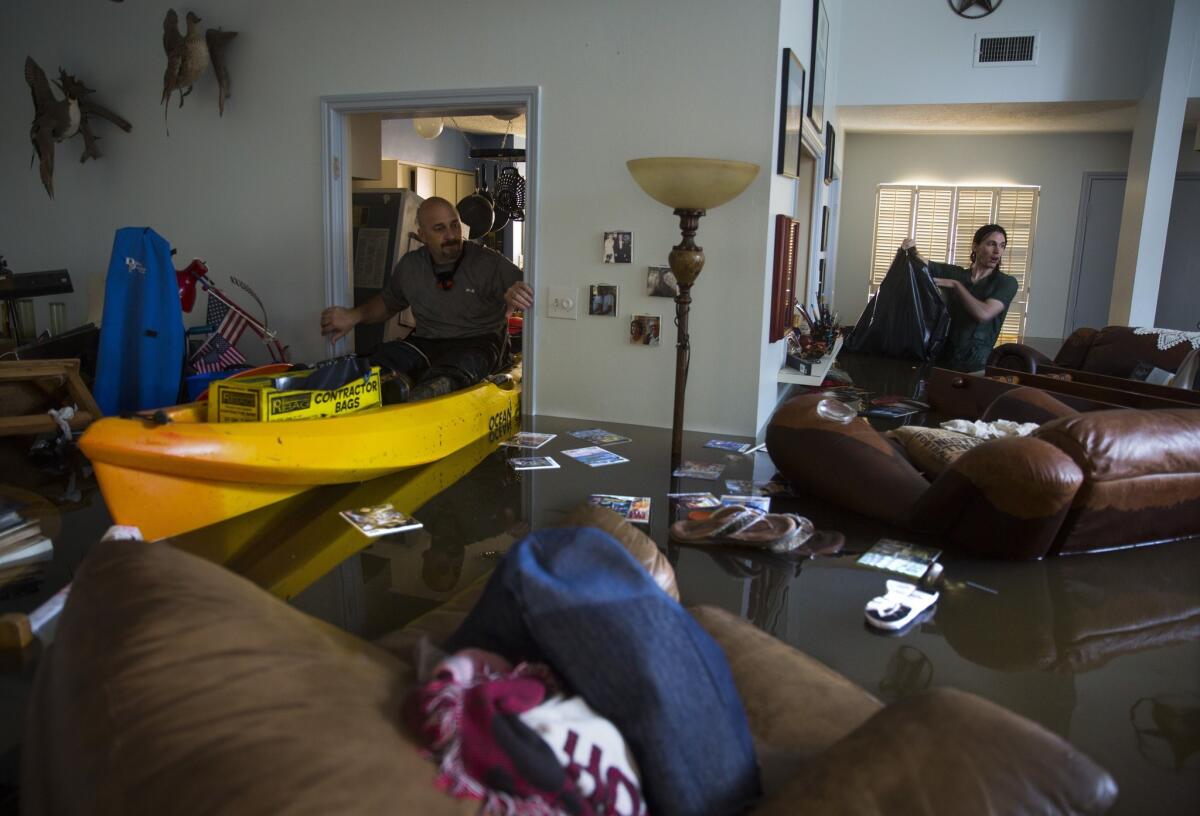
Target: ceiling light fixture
[(429, 128)]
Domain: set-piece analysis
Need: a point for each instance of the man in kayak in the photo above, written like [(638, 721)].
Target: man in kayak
[(461, 295)]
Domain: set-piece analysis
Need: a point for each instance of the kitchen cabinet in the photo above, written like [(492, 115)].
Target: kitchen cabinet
[(366, 145), (393, 175), (425, 182), (445, 184), (465, 186)]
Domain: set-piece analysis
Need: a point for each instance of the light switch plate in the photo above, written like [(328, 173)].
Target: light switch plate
[(562, 302)]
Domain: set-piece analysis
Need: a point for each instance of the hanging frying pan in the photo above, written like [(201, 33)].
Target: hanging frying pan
[(510, 193), (501, 217), (475, 210)]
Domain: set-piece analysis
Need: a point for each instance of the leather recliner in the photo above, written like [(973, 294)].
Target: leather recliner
[(175, 686), (1082, 481), (1112, 351)]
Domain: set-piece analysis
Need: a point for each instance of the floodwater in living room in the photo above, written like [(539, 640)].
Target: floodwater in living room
[(1102, 649)]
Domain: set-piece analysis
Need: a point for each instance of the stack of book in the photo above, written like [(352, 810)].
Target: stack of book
[(24, 550)]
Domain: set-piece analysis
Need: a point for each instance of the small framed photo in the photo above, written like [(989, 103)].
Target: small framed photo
[(618, 247), (824, 227), (602, 300), (644, 330), (660, 282)]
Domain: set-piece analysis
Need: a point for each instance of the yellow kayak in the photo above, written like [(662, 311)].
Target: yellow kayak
[(188, 473)]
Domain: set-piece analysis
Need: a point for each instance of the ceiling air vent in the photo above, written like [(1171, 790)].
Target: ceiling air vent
[(1006, 49)]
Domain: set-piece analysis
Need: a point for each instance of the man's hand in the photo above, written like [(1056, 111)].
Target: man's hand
[(338, 321), (519, 296), (908, 243), (946, 283)]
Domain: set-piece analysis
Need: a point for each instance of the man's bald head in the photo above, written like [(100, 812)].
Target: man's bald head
[(439, 228)]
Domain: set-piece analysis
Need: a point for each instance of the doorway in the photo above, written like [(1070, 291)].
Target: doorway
[(1098, 228), (336, 187)]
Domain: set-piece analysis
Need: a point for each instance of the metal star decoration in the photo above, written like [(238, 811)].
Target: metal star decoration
[(986, 7)]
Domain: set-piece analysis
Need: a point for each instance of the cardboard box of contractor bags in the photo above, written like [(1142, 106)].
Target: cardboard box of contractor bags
[(258, 399)]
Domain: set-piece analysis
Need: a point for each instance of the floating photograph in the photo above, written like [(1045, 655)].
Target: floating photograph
[(380, 520), (634, 508), (595, 457), (527, 439), (532, 463)]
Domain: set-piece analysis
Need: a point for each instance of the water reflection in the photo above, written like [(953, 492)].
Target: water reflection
[(1077, 613), (908, 671), (1168, 730), (287, 546)]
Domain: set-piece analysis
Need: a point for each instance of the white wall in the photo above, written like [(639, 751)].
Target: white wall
[(1055, 162), (786, 195), (620, 79), (920, 52), (1189, 156)]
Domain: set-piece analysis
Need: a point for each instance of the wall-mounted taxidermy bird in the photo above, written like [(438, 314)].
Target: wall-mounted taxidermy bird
[(56, 120), (190, 54)]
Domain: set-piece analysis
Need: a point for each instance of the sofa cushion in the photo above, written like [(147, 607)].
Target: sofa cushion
[(1127, 443), (932, 449), (967, 750), (1117, 350), (796, 706), (175, 686)]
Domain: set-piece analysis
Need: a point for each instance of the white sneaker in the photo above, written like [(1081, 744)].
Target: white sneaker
[(899, 607)]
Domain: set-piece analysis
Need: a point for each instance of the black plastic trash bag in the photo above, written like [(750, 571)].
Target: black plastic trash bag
[(907, 318)]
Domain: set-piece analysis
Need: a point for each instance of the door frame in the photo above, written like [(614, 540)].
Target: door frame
[(335, 186), (1085, 195)]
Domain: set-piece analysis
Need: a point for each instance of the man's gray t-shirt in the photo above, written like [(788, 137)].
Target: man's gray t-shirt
[(473, 306)]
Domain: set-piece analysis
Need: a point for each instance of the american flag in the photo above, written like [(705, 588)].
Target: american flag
[(220, 352)]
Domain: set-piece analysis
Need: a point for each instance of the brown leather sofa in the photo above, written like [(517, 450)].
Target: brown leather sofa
[(1082, 481), (175, 686), (1113, 351)]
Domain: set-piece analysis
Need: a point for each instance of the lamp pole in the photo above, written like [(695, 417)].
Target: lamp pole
[(686, 260)]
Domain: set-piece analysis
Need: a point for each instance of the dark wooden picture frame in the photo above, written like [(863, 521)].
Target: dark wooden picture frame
[(818, 65), (824, 228), (783, 277), (791, 115), (830, 144)]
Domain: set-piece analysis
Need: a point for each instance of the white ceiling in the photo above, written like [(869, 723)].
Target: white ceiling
[(999, 117)]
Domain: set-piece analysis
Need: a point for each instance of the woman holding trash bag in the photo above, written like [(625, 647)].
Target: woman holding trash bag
[(978, 299)]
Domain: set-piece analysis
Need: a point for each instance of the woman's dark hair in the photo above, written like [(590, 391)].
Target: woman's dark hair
[(984, 232)]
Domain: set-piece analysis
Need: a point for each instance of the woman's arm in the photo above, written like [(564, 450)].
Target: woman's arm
[(979, 310)]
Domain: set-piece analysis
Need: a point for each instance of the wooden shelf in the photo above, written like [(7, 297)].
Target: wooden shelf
[(791, 376)]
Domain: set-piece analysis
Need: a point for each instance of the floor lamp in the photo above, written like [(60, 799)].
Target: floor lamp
[(690, 187)]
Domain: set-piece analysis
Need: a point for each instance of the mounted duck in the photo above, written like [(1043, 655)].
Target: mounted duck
[(56, 120)]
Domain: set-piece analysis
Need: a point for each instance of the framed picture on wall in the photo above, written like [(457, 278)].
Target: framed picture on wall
[(783, 276), (818, 63), (830, 143), (791, 115), (824, 229)]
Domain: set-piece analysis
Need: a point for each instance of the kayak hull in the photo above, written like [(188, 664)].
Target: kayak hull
[(168, 478)]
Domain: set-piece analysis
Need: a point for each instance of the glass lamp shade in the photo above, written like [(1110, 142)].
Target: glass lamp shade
[(692, 184), (428, 128)]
